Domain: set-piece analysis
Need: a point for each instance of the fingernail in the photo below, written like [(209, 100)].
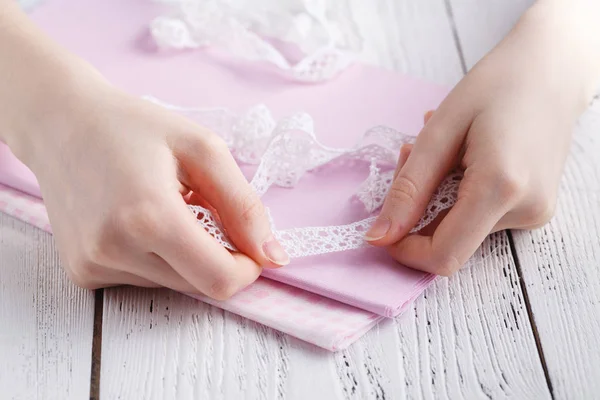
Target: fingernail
[(275, 252), (427, 116), (380, 228)]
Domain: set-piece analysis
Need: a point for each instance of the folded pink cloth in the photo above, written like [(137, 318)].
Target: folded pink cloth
[(343, 110)]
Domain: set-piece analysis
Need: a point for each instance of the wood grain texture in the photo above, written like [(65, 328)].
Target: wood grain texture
[(467, 337), (45, 321), (413, 37), (561, 265), (161, 344)]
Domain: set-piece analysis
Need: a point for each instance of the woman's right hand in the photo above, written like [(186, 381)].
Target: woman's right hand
[(115, 172)]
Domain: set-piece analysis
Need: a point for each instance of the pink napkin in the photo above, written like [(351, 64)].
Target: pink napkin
[(113, 36)]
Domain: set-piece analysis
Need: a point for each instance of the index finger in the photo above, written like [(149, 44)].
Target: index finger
[(199, 258), (456, 238), (212, 172), (434, 154)]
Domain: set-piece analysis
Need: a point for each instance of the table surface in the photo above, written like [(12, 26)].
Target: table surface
[(521, 322)]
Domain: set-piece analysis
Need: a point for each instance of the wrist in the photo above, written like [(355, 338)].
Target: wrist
[(568, 32), (41, 83), (50, 108)]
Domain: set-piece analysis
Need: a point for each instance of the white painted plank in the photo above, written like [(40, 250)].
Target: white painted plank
[(561, 268), (161, 344), (46, 323), (480, 25), (413, 37), (468, 337)]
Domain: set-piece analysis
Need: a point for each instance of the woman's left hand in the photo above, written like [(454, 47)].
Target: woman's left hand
[(508, 125)]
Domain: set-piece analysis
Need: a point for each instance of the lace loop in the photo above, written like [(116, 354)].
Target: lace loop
[(234, 26)]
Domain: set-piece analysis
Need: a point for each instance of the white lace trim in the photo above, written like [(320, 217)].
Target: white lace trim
[(240, 27), (285, 150)]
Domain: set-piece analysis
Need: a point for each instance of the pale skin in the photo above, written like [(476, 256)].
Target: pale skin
[(116, 172)]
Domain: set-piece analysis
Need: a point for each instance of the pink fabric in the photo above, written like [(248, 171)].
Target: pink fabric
[(13, 173), (112, 35)]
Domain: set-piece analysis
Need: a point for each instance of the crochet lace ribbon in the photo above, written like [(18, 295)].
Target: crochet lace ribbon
[(327, 39), (285, 150)]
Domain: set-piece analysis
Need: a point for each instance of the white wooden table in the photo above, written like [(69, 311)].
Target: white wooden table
[(523, 322)]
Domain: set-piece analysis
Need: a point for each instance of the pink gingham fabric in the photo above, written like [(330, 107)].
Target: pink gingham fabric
[(315, 319)]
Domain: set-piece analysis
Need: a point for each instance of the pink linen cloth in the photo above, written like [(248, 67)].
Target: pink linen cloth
[(113, 36)]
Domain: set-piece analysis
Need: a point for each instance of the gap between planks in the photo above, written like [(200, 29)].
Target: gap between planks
[(97, 345)]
